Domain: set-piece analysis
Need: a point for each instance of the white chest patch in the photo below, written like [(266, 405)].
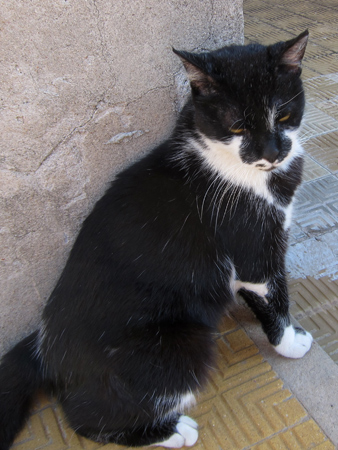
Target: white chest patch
[(225, 161), (288, 216)]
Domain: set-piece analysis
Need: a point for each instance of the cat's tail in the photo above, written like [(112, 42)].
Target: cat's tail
[(20, 377)]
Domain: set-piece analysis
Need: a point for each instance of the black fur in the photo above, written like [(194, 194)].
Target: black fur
[(20, 377), (130, 325)]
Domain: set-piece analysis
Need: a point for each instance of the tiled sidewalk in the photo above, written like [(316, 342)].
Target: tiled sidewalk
[(246, 406), (313, 255)]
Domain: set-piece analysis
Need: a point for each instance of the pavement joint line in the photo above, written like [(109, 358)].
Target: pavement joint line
[(287, 428), (307, 139), (314, 311), (314, 235)]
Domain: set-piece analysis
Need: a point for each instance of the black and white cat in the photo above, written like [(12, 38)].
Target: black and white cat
[(127, 336)]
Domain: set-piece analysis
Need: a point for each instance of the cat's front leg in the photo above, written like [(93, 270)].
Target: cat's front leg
[(294, 343), (270, 303)]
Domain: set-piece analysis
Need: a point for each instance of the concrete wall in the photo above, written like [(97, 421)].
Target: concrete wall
[(85, 86)]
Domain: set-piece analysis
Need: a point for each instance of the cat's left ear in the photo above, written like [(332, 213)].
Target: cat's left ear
[(201, 83), (293, 53)]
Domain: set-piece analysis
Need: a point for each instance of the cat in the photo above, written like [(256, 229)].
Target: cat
[(127, 337)]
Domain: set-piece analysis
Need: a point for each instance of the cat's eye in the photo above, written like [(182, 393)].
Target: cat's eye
[(236, 130), (284, 118)]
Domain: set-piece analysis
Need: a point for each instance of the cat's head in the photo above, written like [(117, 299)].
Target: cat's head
[(249, 98)]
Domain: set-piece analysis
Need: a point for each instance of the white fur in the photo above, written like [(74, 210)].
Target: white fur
[(186, 434), (272, 118), (185, 402), (293, 343), (167, 404), (288, 216), (233, 280), (296, 150), (40, 338), (260, 289), (224, 160), (175, 441), (265, 163)]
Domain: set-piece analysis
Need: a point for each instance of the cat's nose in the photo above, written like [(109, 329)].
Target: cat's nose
[(270, 151)]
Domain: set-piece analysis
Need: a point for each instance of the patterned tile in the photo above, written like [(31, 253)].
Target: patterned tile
[(314, 303), (295, 24), (266, 33), (310, 296), (308, 72), (320, 89), (305, 435), (314, 257), (266, 13), (330, 106), (324, 149), (313, 170), (323, 327), (316, 207), (316, 122), (324, 64), (324, 32), (314, 49)]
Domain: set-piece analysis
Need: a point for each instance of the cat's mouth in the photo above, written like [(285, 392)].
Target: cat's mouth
[(269, 169), (266, 168)]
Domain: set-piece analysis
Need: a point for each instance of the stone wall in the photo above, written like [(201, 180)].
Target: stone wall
[(86, 85)]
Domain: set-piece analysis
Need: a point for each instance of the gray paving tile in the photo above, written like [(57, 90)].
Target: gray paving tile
[(314, 257), (324, 149), (316, 207), (321, 89), (313, 170), (316, 122)]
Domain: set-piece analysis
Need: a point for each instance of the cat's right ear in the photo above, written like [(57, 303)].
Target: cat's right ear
[(201, 83)]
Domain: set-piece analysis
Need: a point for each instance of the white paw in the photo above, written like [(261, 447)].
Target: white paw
[(294, 343), (188, 428), (175, 441), (186, 434)]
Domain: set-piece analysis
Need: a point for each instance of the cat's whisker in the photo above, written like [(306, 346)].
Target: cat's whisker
[(241, 123), (286, 103), (206, 193)]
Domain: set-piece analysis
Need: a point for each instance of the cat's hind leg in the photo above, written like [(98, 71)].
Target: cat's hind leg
[(115, 417), (186, 434), (139, 396)]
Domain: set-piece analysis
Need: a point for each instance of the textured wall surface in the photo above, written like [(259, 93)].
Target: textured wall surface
[(86, 85)]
